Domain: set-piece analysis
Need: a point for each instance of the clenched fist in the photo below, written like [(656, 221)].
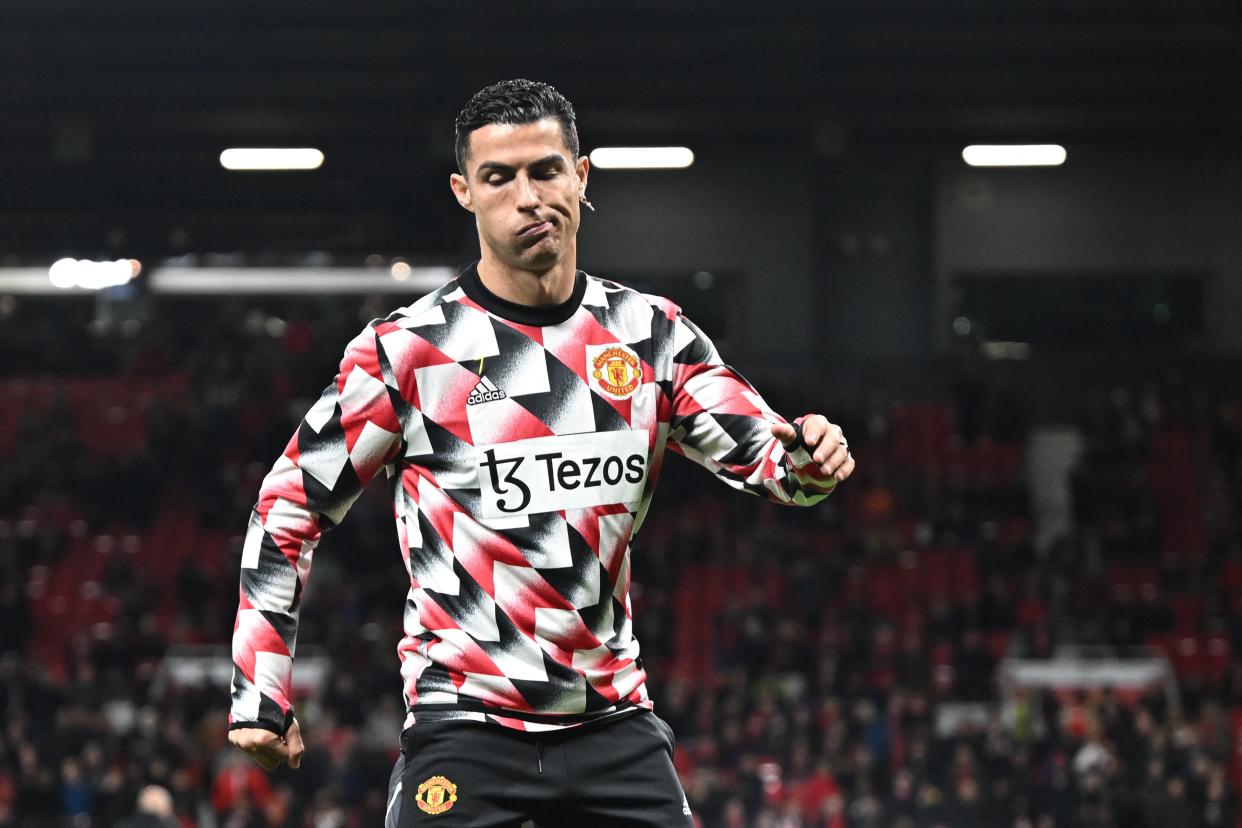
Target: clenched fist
[(824, 441), (268, 749)]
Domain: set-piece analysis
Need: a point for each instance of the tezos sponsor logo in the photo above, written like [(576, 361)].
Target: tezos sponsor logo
[(575, 471)]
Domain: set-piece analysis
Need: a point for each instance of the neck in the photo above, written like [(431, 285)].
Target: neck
[(528, 287)]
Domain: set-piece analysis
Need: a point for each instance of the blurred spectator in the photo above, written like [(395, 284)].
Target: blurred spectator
[(801, 661), (154, 810)]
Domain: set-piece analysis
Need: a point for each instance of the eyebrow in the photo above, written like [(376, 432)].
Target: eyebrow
[(496, 166)]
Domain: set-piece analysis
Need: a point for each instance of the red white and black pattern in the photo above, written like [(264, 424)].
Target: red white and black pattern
[(522, 448)]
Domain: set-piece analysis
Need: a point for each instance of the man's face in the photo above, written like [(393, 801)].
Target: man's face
[(523, 187)]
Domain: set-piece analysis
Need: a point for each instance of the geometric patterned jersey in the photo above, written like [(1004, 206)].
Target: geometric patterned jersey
[(522, 447)]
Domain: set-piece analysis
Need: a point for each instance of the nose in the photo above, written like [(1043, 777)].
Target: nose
[(527, 196)]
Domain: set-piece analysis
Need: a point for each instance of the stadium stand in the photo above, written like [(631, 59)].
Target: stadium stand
[(802, 657)]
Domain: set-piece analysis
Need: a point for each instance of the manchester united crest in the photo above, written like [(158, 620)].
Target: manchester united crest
[(436, 795), (616, 370)]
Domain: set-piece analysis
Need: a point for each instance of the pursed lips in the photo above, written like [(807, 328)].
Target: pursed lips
[(536, 227)]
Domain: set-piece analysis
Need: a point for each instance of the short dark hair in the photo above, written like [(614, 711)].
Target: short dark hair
[(517, 101)]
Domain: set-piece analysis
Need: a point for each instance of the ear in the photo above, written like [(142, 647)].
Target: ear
[(461, 191), (581, 169)]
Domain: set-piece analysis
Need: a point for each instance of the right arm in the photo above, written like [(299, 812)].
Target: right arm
[(346, 437)]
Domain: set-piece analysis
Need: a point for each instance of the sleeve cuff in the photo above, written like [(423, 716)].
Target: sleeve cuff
[(265, 725), (797, 427), (800, 453)]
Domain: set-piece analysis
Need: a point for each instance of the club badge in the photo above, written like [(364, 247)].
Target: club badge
[(436, 795), (615, 369)]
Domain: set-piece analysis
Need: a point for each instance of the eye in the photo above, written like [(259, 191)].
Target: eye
[(546, 172)]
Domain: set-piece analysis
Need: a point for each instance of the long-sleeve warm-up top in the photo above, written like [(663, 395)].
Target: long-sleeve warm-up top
[(522, 446)]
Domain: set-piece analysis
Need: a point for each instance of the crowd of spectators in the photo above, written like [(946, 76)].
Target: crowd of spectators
[(802, 657)]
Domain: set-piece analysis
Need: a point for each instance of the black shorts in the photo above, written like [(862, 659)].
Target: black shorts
[(616, 772)]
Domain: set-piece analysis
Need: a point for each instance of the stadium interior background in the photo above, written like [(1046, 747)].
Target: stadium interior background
[(1025, 607)]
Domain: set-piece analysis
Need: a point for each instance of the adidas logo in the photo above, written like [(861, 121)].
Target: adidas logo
[(485, 391)]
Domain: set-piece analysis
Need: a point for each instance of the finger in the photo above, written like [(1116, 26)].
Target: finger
[(844, 470), (264, 758), (836, 459), (294, 745), (786, 434), (265, 749), (253, 739), (813, 428), (243, 742), (829, 435)]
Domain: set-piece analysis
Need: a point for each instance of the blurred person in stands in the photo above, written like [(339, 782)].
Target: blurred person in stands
[(1220, 809), (239, 784), (154, 810), (1172, 806), (521, 414)]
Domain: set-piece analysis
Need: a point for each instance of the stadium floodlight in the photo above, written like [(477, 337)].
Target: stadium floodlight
[(70, 276), (271, 158), (642, 158), (300, 281), (995, 349), (1014, 155), (83, 273)]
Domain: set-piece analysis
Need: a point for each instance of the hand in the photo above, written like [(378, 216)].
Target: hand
[(268, 749), (828, 446)]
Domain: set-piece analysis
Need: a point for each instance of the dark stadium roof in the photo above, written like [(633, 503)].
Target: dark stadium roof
[(112, 115)]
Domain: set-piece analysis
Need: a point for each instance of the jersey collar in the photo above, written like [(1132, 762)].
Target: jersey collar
[(473, 287)]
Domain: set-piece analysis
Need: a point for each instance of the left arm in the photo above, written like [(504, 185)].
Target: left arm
[(719, 420)]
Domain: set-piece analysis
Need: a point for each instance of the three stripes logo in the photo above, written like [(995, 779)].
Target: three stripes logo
[(485, 391)]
